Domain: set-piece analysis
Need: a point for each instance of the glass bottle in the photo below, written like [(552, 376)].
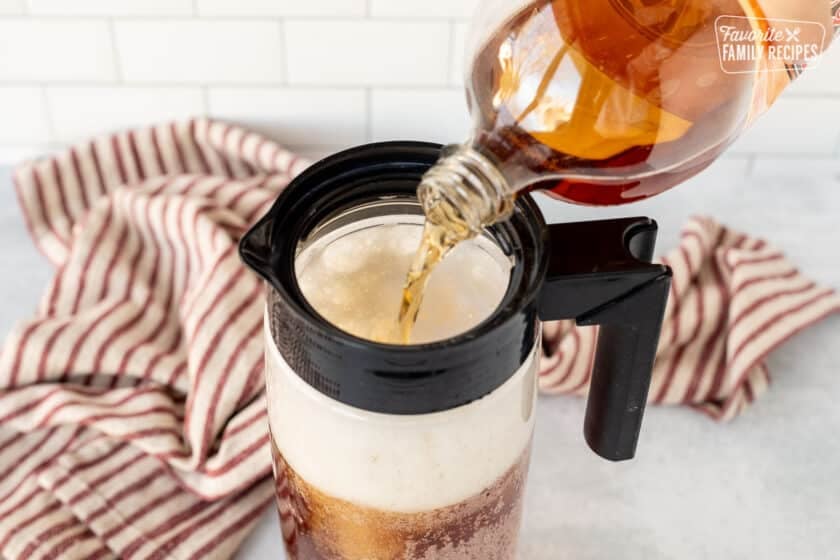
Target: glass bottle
[(605, 102)]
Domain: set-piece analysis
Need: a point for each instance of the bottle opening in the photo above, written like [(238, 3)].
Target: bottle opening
[(351, 269)]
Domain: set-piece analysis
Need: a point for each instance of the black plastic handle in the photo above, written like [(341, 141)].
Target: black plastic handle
[(599, 273)]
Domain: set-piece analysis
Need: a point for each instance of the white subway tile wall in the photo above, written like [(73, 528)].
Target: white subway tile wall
[(318, 75), (460, 32), (430, 115), (12, 7), (56, 50), (299, 116), (77, 110), (23, 115), (327, 52), (199, 52)]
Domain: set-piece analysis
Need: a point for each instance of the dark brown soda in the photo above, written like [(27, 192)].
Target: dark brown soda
[(317, 526)]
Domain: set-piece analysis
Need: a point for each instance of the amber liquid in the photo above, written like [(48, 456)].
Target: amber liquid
[(437, 241), (609, 89), (625, 97), (434, 246)]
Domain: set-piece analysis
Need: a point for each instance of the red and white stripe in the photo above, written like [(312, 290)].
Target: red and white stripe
[(131, 422), (733, 301)]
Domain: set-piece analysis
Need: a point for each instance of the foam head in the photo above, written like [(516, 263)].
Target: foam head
[(353, 277)]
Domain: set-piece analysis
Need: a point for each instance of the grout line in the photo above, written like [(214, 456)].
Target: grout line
[(284, 51), (22, 145), (195, 8), (105, 85), (450, 66), (782, 155), (231, 84), (45, 104), (205, 99), (355, 18), (112, 33), (368, 8), (340, 87), (812, 95), (369, 111), (378, 19), (233, 18)]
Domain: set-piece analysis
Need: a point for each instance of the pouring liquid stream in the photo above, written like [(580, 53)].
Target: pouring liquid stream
[(437, 241)]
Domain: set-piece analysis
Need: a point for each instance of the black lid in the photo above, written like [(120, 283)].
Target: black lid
[(380, 377)]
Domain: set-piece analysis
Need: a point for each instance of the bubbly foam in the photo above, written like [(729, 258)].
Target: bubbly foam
[(354, 279), (399, 463)]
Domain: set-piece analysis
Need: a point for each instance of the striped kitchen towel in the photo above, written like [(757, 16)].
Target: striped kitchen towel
[(132, 420), (734, 299)]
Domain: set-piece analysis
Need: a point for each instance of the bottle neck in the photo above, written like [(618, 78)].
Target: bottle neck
[(465, 191)]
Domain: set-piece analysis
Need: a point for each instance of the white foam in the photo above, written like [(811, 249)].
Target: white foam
[(395, 462), (354, 279)]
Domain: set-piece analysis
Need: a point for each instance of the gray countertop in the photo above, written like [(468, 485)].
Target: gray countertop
[(764, 486)]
